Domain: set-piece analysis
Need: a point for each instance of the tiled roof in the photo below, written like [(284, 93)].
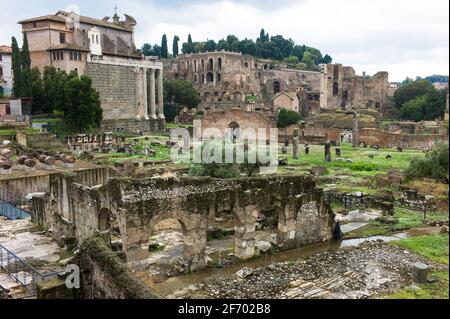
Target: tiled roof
[(5, 49), (60, 16)]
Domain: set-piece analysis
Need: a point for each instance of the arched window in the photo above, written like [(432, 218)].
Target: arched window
[(210, 65), (219, 62), (276, 87), (209, 77), (335, 89)]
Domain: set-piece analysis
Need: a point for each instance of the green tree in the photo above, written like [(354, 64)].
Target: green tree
[(82, 111), (54, 83), (287, 117), (435, 165), (413, 109), (326, 60), (16, 69), (308, 59), (38, 93), (188, 47), (164, 48), (175, 49), (210, 46), (181, 93), (411, 90), (25, 60)]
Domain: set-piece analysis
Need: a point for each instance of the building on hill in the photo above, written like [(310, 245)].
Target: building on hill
[(6, 77), (103, 49), (346, 90), (225, 79)]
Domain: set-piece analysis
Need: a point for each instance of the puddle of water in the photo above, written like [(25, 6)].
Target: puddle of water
[(357, 241)]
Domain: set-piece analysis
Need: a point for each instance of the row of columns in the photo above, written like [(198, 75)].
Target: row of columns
[(151, 109)]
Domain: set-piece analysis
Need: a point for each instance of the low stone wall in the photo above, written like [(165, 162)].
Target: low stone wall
[(134, 125), (374, 137), (105, 276), (41, 183), (41, 140)]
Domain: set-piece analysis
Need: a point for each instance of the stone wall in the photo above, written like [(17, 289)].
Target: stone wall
[(105, 276), (245, 120), (40, 140), (133, 125), (387, 139), (117, 86)]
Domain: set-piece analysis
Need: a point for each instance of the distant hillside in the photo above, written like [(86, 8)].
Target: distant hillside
[(267, 47)]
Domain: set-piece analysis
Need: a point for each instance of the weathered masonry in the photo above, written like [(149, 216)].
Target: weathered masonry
[(139, 205), (131, 92)]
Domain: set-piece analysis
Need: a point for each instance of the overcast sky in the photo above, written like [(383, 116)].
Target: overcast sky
[(404, 37)]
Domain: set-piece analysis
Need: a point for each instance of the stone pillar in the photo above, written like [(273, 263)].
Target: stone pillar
[(194, 249), (286, 225), (244, 240), (328, 152), (152, 89), (355, 137), (295, 145), (145, 93), (160, 94)]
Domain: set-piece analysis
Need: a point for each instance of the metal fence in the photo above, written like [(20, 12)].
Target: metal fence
[(22, 272), (13, 205)]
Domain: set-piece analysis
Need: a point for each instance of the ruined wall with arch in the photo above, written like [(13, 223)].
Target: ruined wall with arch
[(246, 120), (139, 204)]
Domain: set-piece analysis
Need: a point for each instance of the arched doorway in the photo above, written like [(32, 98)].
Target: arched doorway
[(276, 87), (235, 130), (335, 89)]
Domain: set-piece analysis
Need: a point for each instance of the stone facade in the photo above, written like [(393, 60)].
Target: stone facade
[(374, 137), (6, 77), (130, 86), (347, 90), (139, 205)]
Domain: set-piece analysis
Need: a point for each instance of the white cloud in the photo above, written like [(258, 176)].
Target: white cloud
[(403, 37)]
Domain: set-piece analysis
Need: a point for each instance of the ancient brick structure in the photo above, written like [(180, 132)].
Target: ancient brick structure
[(374, 137), (347, 90), (130, 86), (138, 205)]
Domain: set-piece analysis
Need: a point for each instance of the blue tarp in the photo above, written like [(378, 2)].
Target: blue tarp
[(11, 212)]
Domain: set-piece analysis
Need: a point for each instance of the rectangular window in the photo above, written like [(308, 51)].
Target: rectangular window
[(62, 38), (70, 55), (62, 55), (79, 56), (1, 58), (97, 38)]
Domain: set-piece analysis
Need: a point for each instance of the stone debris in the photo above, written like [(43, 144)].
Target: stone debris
[(369, 270)]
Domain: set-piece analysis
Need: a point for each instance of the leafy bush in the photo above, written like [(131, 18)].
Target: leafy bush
[(435, 165), (363, 167), (287, 117)]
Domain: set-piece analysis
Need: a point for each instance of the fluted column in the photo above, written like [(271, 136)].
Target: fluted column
[(145, 94), (160, 94), (152, 94)]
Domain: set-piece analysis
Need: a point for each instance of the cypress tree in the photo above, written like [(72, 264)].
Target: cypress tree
[(16, 69), (189, 39), (164, 48), (27, 82), (175, 48)]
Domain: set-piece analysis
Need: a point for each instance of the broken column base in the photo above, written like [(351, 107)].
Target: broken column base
[(420, 273)]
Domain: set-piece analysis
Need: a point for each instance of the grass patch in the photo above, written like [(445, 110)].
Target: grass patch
[(437, 290), (434, 247)]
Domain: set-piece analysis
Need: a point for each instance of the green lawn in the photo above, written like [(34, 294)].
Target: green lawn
[(434, 248)]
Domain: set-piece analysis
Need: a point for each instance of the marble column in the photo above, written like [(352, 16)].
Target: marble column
[(152, 94), (145, 94), (160, 94)]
